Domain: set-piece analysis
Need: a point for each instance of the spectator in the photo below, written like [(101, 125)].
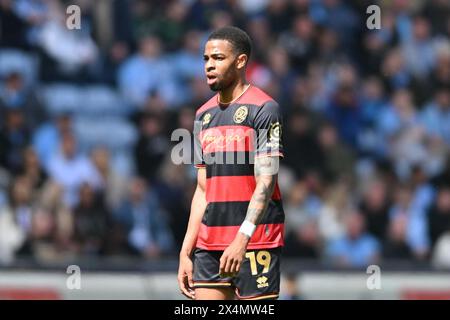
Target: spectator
[(302, 235), (91, 220), (175, 182), (338, 15), (188, 62), (301, 206), (338, 158), (258, 29), (279, 15), (332, 213), (439, 215), (419, 52), (395, 245), (436, 115), (440, 76), (32, 169), (15, 220), (344, 112), (15, 95), (21, 203), (304, 152), (10, 20), (70, 169), (40, 244), (66, 54), (399, 125), (436, 12), (377, 42), (443, 177), (394, 74), (290, 289), (114, 186), (416, 235), (299, 42), (423, 191), (279, 78), (52, 225), (441, 256), (304, 241), (4, 183), (172, 24), (143, 17), (11, 236), (47, 138), (375, 208), (356, 248), (14, 137), (145, 72), (373, 98), (328, 45), (152, 146), (144, 221), (110, 64), (199, 16)]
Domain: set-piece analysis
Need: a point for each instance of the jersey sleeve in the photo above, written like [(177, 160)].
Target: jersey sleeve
[(268, 125), (199, 161)]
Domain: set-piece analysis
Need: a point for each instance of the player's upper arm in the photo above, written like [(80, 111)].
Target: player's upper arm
[(201, 179), (268, 125)]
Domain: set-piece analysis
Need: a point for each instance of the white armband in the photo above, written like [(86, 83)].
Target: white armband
[(247, 228)]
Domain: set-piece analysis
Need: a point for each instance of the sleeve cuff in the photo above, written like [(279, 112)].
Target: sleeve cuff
[(270, 154)]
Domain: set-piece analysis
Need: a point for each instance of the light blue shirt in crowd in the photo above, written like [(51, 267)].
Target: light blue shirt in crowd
[(358, 252)]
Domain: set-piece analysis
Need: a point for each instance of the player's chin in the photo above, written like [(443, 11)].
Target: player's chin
[(215, 86)]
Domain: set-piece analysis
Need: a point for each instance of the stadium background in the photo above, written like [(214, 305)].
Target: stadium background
[(86, 118)]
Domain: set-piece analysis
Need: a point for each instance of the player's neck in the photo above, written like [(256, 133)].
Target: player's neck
[(233, 93)]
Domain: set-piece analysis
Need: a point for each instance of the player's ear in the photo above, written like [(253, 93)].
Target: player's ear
[(241, 61)]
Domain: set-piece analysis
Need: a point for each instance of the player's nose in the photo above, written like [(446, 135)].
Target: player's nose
[(209, 65)]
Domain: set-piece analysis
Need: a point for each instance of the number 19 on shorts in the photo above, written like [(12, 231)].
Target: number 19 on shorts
[(262, 258)]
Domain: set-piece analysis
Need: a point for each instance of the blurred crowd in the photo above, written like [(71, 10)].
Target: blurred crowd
[(366, 177)]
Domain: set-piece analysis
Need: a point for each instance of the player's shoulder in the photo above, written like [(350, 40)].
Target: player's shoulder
[(257, 97), (211, 103)]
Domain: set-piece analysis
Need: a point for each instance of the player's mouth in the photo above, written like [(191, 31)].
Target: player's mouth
[(211, 79)]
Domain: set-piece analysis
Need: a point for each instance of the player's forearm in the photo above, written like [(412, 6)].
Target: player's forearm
[(198, 207), (261, 196), (266, 170)]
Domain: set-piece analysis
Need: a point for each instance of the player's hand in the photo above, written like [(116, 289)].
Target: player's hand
[(232, 257), (185, 281)]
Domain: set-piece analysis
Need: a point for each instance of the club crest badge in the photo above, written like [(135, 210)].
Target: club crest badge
[(206, 118), (241, 114)]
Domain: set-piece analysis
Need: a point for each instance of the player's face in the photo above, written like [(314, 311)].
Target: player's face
[(220, 64)]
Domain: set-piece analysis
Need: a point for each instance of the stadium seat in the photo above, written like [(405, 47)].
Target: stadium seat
[(92, 132), (60, 97), (13, 60), (99, 100)]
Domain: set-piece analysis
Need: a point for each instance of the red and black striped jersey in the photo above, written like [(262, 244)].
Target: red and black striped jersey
[(228, 138)]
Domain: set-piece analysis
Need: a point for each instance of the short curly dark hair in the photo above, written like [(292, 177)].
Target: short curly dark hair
[(238, 38)]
